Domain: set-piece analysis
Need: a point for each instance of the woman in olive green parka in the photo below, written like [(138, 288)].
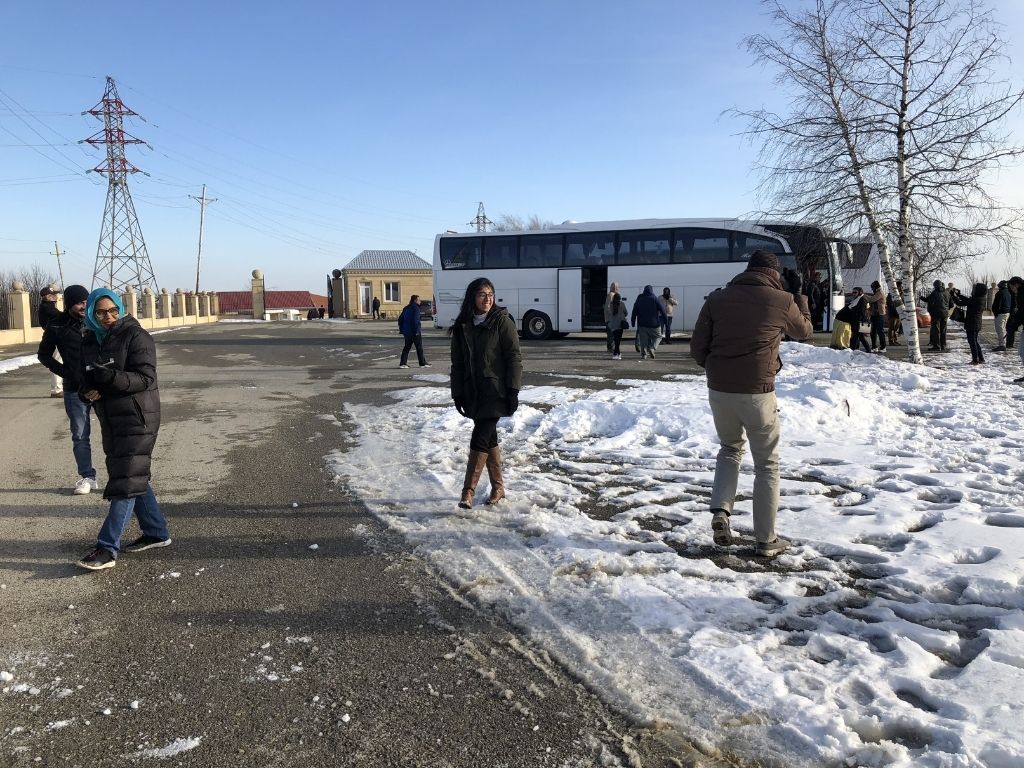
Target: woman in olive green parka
[(487, 372)]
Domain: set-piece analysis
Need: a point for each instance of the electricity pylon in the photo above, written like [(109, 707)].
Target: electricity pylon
[(121, 257), (481, 221)]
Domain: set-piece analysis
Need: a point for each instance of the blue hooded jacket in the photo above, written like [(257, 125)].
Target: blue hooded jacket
[(90, 307), (647, 312)]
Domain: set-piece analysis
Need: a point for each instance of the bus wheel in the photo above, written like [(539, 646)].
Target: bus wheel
[(536, 326)]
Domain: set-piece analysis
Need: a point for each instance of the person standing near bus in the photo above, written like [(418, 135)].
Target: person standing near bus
[(617, 322), (736, 340), (648, 318), (486, 376), (613, 291), (667, 301)]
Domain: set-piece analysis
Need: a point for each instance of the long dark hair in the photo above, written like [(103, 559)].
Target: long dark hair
[(468, 308), (616, 303)]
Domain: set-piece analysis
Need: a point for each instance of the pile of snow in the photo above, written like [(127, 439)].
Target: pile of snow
[(892, 634)]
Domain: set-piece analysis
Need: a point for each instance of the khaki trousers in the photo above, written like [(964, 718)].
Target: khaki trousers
[(758, 417)]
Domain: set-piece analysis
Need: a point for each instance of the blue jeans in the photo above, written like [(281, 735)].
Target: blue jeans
[(78, 414), (151, 519)]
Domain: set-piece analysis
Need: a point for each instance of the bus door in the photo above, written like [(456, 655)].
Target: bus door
[(570, 300), (595, 291)]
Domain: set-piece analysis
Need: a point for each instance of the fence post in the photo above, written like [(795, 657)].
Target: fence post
[(165, 304), (148, 304), (20, 309), (259, 299), (131, 302), (179, 303)]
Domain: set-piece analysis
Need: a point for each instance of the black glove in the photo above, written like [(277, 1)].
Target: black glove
[(102, 375), (460, 406), (513, 401), (793, 281)]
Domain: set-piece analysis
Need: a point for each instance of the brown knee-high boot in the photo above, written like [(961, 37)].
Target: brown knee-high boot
[(494, 473), (474, 468)]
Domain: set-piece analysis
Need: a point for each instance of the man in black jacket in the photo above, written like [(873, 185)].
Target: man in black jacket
[(1016, 285), (47, 313), (1001, 305), (64, 335)]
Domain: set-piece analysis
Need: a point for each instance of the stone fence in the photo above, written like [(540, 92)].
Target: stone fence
[(165, 310)]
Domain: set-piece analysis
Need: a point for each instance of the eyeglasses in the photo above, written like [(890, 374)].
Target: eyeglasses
[(101, 313), (485, 295)]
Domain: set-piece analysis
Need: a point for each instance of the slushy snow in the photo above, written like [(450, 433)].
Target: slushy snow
[(892, 634)]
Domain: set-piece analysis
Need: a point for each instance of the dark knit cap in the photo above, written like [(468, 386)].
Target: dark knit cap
[(764, 259), (46, 291), (75, 294)]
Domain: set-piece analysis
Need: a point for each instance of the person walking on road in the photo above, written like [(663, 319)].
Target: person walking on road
[(648, 318), (119, 379), (616, 323), (668, 303), (410, 327), (487, 374), (61, 352), (736, 340), (375, 308), (47, 314)]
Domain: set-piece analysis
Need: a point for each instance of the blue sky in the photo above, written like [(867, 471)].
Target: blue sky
[(324, 129)]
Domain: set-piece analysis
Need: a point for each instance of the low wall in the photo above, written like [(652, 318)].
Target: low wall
[(35, 335)]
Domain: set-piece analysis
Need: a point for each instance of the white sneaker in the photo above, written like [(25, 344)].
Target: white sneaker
[(616, 357), (85, 484), (403, 366)]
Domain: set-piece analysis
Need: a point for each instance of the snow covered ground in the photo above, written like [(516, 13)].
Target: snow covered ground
[(891, 635)]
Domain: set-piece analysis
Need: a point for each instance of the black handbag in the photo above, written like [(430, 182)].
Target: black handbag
[(958, 315), (625, 325)]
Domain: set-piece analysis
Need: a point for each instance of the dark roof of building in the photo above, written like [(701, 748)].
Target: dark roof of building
[(387, 260), (241, 301)]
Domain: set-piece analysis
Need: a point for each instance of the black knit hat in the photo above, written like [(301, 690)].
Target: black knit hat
[(47, 291), (75, 294), (764, 259)]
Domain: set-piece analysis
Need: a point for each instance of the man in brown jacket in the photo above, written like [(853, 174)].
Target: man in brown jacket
[(736, 341)]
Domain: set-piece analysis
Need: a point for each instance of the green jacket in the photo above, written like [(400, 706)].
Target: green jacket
[(486, 364)]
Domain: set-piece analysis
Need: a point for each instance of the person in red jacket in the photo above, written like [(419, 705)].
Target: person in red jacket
[(736, 341)]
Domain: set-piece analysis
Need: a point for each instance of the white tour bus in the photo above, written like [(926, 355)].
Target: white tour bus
[(554, 281)]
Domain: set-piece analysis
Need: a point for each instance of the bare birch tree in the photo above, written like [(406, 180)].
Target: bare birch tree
[(893, 124)]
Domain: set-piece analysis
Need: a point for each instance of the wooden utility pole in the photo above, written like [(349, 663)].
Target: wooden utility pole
[(202, 200), (60, 269)]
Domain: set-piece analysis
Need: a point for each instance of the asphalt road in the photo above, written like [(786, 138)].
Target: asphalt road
[(240, 635)]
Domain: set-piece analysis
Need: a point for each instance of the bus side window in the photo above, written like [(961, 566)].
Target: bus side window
[(701, 245), (590, 250), (460, 253), (501, 253), (747, 244), (540, 251)]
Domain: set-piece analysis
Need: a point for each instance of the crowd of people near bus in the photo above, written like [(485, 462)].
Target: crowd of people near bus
[(876, 314), (651, 317)]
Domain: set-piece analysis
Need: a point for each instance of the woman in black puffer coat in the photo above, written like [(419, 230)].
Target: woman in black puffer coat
[(974, 307), (487, 372), (119, 378)]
